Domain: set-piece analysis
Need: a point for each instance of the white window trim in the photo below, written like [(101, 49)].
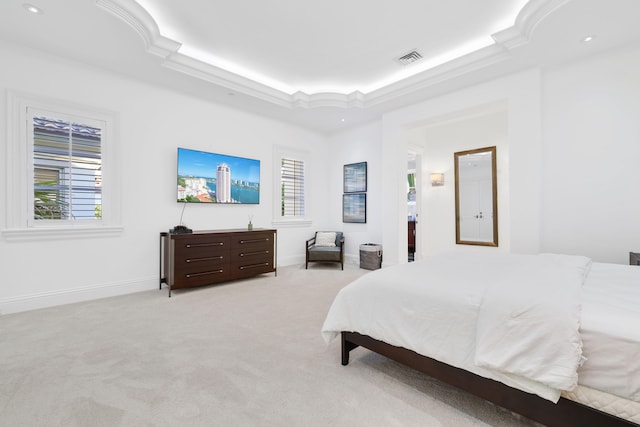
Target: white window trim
[(17, 163), (278, 221)]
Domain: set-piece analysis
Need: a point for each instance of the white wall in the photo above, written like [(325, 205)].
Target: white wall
[(519, 159), (362, 144), (591, 163), (440, 141), (153, 122)]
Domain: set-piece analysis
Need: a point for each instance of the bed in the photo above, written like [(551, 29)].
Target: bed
[(555, 338)]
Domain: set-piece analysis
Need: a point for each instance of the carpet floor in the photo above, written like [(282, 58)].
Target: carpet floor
[(246, 353)]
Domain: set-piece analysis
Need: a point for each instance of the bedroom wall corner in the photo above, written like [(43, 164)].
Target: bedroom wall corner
[(591, 156), (360, 144)]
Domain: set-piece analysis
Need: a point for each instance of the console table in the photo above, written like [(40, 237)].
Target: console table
[(207, 257), (634, 258)]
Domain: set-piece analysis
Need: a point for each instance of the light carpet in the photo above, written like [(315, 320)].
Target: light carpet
[(246, 353)]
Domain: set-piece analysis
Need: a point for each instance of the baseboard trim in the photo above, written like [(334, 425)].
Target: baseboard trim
[(352, 259), (69, 296), (299, 260), (290, 260)]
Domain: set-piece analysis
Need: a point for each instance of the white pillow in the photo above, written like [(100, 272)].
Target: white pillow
[(326, 239)]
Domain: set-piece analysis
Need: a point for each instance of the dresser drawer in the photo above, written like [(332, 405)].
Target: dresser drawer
[(199, 277), (201, 263), (251, 255), (251, 241), (239, 271), (195, 242), (201, 255), (200, 247)]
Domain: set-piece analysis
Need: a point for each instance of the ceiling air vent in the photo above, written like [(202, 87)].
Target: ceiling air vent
[(410, 57)]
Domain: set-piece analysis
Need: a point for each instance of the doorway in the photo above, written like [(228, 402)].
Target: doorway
[(412, 205)]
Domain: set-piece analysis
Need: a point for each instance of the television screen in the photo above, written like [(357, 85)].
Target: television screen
[(216, 178)]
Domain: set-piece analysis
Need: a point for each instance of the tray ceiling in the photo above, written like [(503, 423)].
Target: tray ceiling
[(322, 65)]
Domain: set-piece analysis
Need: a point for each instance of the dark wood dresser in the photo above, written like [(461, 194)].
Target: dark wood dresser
[(207, 257), (634, 258)]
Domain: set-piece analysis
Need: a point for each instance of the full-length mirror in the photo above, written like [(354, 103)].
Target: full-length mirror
[(476, 197)]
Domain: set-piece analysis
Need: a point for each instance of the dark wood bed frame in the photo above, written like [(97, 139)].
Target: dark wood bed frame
[(565, 413)]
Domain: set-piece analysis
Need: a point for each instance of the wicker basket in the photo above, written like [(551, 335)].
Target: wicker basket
[(370, 256)]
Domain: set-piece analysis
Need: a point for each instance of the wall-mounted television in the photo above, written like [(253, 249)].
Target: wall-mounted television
[(217, 178)]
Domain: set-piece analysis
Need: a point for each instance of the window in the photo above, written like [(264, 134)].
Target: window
[(61, 176), (291, 206), (67, 167), (292, 184)]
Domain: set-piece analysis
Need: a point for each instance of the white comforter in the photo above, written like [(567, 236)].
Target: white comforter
[(610, 331), (512, 318)]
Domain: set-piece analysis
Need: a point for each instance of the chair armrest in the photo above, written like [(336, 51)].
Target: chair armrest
[(311, 241)]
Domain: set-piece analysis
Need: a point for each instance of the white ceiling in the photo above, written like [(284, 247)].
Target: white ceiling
[(324, 65), (329, 46)]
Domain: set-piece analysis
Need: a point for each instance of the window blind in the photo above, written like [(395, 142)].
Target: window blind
[(67, 177), (292, 179)]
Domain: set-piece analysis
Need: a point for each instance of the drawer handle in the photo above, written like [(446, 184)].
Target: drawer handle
[(202, 245), (254, 253), (242, 267), (188, 276), (254, 241), (205, 259)]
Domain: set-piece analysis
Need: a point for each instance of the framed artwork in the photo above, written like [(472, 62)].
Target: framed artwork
[(354, 208), (355, 177)]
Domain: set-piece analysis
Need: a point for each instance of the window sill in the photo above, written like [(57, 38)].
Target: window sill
[(284, 223), (57, 233)]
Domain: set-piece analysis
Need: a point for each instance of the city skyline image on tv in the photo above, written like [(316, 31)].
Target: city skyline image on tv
[(205, 177)]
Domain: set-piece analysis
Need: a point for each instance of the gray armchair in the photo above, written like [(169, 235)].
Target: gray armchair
[(321, 248)]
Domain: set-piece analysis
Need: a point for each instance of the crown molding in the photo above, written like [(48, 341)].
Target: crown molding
[(328, 99), (193, 67), (460, 66), (143, 23), (533, 13), (518, 35)]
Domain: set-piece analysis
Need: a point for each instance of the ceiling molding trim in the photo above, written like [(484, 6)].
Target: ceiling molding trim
[(143, 23), (234, 82), (471, 62), (300, 100), (328, 99), (221, 77), (534, 12)]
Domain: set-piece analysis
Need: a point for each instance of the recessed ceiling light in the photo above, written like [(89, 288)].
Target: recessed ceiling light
[(587, 39), (342, 120), (31, 8)]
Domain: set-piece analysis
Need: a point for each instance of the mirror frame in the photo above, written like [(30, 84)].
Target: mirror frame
[(494, 191)]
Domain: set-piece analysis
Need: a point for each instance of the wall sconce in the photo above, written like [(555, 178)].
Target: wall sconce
[(437, 179)]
